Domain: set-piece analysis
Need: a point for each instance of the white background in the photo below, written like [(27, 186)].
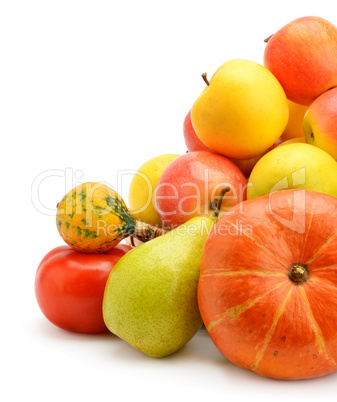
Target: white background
[(88, 91)]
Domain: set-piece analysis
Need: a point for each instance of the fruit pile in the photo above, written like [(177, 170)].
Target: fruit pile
[(238, 234)]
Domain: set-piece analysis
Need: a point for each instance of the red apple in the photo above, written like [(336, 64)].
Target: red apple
[(192, 141), (303, 57), (190, 185), (320, 122)]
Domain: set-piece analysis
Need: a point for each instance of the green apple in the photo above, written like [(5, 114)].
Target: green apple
[(297, 165)]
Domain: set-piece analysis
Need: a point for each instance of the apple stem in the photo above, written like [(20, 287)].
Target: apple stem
[(267, 39), (218, 205), (204, 77)]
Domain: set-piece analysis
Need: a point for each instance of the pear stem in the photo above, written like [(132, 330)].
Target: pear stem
[(145, 232), (218, 205), (267, 39), (204, 77)]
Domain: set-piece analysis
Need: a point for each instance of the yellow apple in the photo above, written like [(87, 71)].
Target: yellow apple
[(242, 111), (142, 187), (294, 127), (297, 165)]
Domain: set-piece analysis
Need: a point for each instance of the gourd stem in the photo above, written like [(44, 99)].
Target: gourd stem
[(145, 232)]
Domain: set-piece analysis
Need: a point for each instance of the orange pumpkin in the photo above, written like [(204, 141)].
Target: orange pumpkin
[(268, 284)]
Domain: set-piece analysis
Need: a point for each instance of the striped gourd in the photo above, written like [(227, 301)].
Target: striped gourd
[(93, 218)]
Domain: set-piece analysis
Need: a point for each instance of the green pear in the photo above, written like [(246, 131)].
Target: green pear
[(150, 298)]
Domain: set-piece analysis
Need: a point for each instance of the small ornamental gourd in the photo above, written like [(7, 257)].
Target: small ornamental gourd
[(93, 218), (267, 291)]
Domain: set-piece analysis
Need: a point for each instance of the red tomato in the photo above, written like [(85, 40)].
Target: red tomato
[(69, 287)]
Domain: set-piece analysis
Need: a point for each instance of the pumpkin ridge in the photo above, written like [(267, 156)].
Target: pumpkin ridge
[(251, 237), (271, 331), (320, 342), (325, 244), (326, 268), (243, 271), (236, 311), (308, 230), (324, 282)]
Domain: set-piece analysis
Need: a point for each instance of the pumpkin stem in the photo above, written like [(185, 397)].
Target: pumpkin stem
[(298, 273), (145, 232)]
